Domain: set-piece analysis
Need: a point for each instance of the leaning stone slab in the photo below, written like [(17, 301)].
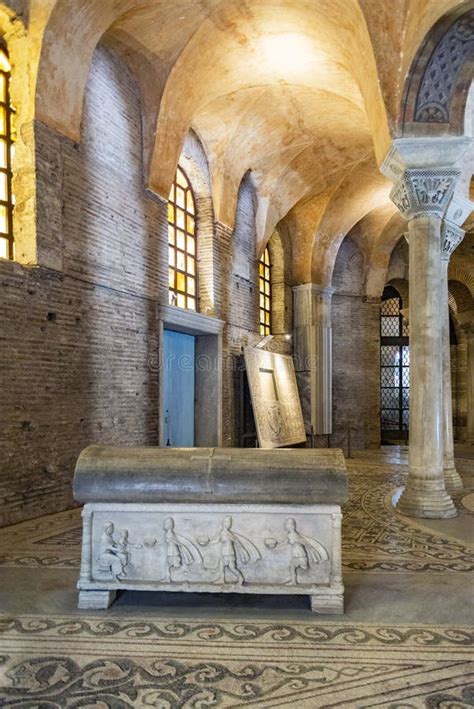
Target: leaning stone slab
[(215, 520)]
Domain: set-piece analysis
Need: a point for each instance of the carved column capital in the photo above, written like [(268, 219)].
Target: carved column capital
[(458, 209), (424, 191), (424, 172), (451, 237)]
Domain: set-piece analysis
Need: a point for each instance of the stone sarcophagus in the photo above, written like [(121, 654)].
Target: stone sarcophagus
[(211, 519)]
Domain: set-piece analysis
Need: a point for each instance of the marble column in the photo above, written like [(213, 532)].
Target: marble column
[(422, 197), (313, 354), (452, 236), (425, 174)]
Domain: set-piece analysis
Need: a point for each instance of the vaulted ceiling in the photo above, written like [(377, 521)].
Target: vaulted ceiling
[(304, 93)]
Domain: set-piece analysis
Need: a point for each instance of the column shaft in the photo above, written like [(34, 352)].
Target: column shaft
[(425, 173), (425, 493)]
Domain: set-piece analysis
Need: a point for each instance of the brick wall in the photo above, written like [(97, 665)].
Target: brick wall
[(356, 353), (79, 341), (78, 344), (356, 371), (238, 294), (459, 366)]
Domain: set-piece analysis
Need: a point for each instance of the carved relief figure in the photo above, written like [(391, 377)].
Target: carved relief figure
[(235, 550), (180, 551), (124, 544), (113, 556), (304, 550)]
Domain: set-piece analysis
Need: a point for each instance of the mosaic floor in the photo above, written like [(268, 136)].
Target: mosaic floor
[(71, 662), (169, 660)]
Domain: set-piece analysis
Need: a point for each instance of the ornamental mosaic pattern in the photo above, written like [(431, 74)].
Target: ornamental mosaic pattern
[(66, 661), (441, 74)]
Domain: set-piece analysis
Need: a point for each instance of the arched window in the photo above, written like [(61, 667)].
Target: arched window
[(182, 244), (265, 290), (6, 155), (394, 368)]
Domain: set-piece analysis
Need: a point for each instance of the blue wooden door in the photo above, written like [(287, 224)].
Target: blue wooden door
[(179, 375)]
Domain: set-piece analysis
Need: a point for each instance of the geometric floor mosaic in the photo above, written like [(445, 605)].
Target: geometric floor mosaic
[(377, 538), (99, 660)]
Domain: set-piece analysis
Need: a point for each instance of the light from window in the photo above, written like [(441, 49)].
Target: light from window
[(394, 368), (182, 244), (265, 290), (6, 156)]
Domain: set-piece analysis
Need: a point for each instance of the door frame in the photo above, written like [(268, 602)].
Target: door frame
[(208, 377)]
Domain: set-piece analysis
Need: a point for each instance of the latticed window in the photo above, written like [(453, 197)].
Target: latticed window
[(265, 289), (394, 368), (7, 247), (182, 244)]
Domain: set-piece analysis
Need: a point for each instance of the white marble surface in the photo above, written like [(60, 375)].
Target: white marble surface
[(286, 549)]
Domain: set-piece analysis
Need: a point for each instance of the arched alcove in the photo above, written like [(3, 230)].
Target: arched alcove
[(440, 77), (355, 351), (398, 264), (193, 160), (349, 268)]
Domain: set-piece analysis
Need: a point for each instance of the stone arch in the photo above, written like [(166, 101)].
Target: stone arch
[(193, 160), (457, 272), (401, 286), (460, 297), (73, 30), (381, 255), (242, 286), (279, 248), (438, 83), (91, 219), (452, 303), (398, 263)]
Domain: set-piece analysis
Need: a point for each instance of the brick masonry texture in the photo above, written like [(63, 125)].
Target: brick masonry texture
[(79, 354), (356, 353)]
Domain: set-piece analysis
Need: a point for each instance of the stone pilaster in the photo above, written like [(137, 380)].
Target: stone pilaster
[(425, 175), (313, 354), (451, 237)]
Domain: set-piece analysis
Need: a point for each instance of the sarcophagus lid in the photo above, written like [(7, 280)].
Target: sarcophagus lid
[(221, 475)]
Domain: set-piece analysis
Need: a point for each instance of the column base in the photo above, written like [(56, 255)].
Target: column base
[(452, 479), (426, 499)]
